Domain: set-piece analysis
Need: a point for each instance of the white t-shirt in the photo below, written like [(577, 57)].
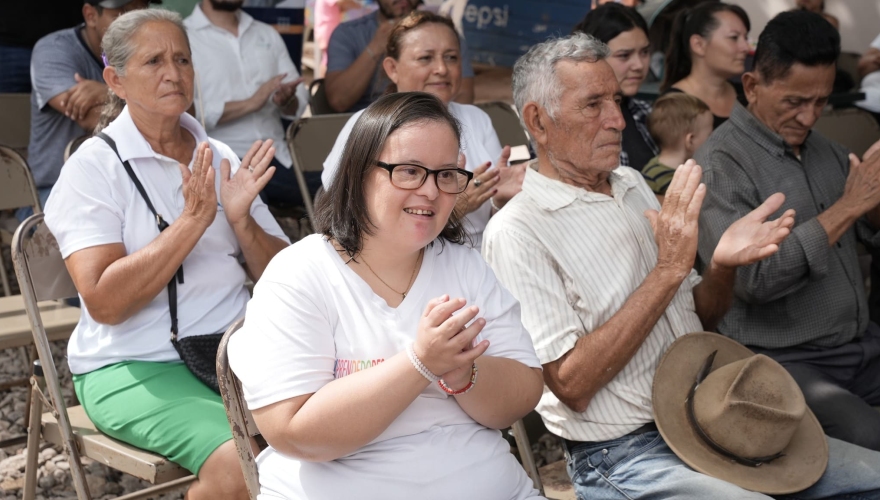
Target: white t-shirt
[(313, 319), (95, 203), (479, 143)]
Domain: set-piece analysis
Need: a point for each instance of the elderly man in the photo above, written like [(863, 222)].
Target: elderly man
[(806, 305), (605, 289)]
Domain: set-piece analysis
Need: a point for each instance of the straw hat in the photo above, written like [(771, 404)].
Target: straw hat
[(747, 422)]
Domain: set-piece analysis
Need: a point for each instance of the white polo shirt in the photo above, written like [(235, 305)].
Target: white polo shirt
[(573, 258), (95, 203), (231, 68), (479, 143)]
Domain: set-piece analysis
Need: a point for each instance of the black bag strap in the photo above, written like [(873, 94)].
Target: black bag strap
[(160, 222)]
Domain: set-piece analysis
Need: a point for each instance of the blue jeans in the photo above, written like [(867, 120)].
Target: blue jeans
[(282, 191), (643, 466), (16, 73)]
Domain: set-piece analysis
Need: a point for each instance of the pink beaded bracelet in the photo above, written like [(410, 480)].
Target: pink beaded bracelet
[(464, 389)]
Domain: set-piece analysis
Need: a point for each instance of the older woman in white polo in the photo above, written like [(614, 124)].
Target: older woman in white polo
[(127, 374)]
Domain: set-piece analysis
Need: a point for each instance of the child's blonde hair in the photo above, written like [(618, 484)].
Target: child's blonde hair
[(673, 117)]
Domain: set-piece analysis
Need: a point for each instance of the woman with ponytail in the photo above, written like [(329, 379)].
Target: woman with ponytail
[(709, 45)]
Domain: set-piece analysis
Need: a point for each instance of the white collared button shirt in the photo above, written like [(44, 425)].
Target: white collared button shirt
[(231, 68), (572, 258), (95, 203)]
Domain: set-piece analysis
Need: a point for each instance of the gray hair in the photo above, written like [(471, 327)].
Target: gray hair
[(118, 48), (534, 74)]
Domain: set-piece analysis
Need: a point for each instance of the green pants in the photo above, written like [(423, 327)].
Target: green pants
[(159, 407)]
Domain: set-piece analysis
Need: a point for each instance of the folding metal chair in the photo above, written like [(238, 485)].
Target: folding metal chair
[(310, 140), (551, 480), (15, 125), (318, 103), (16, 191), (240, 419), (42, 275), (854, 128)]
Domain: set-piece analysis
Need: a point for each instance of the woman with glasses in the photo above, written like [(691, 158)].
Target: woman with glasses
[(423, 55), (381, 357)]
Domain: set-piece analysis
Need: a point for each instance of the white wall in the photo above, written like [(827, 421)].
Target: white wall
[(859, 19)]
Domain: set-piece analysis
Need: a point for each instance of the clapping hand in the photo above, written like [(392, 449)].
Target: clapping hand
[(200, 198), (753, 237), (238, 192), (675, 226), (285, 92)]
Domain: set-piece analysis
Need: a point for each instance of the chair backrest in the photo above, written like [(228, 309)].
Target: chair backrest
[(41, 272), (848, 62), (310, 140), (15, 120), (240, 419), (17, 187), (73, 145), (854, 128), (506, 123), (318, 103), (524, 448)]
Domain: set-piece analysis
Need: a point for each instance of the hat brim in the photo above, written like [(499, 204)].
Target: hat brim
[(806, 456)]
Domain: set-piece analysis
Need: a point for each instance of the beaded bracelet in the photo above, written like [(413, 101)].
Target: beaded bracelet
[(419, 366), (464, 389)]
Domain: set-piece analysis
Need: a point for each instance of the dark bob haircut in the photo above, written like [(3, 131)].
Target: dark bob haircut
[(796, 36), (699, 20), (609, 20), (341, 213)]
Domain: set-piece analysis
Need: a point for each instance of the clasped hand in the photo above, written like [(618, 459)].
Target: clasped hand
[(443, 342)]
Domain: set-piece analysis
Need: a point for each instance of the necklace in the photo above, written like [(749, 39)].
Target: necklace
[(411, 278)]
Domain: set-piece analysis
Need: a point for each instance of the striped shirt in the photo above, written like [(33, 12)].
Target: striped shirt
[(658, 176), (572, 258)]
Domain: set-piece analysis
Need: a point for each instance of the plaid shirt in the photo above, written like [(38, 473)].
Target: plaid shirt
[(809, 293), (640, 111)]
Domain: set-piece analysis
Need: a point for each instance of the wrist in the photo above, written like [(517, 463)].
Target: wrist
[(374, 52), (717, 269), (240, 225), (670, 275)]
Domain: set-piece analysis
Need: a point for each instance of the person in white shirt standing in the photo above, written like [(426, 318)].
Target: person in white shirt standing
[(246, 84)]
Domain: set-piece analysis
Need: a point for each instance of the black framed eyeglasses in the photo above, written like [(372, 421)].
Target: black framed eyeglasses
[(407, 176)]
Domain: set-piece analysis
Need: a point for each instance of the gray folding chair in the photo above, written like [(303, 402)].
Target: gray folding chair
[(506, 123), (854, 128), (240, 419), (310, 140), (17, 190), (42, 275), (551, 480), (15, 120), (318, 103)]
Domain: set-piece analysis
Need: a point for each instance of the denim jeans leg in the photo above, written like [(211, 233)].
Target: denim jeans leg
[(853, 473), (641, 467)]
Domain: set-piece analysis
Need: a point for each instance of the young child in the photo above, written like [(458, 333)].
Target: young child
[(679, 124)]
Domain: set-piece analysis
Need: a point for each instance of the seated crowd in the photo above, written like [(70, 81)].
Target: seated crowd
[(446, 293)]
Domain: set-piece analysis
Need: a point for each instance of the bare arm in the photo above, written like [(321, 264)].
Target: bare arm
[(345, 87), (87, 122), (334, 421), (349, 412), (237, 194), (506, 390), (233, 110), (115, 286), (599, 356)]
